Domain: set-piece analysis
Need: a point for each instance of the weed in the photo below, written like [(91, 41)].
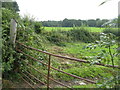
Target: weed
[(85, 72)]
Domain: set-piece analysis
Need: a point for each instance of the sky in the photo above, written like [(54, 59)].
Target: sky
[(43, 10)]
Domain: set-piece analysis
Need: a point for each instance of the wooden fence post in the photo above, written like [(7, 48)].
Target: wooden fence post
[(13, 31)]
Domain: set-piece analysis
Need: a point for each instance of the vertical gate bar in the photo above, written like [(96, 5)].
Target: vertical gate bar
[(48, 80)]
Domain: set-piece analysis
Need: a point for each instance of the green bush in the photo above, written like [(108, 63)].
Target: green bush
[(8, 54), (11, 59), (38, 27), (114, 31), (56, 37), (82, 34)]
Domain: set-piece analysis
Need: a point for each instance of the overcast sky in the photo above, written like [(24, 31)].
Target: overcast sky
[(71, 9)]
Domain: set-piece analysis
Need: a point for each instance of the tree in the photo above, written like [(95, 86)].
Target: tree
[(13, 6), (37, 27), (91, 22), (66, 23)]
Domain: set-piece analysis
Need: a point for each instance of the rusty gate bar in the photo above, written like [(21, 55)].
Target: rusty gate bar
[(48, 80), (74, 75), (50, 77), (35, 78), (74, 59), (27, 82), (28, 78), (37, 71), (49, 66), (31, 57), (60, 83), (57, 69)]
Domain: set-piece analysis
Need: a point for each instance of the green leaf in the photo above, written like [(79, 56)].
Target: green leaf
[(103, 51)]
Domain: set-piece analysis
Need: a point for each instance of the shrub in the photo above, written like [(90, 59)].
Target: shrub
[(56, 37), (38, 27), (112, 30), (82, 34), (8, 54), (12, 62)]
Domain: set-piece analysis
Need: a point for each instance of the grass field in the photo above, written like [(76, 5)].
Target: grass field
[(91, 29), (75, 50)]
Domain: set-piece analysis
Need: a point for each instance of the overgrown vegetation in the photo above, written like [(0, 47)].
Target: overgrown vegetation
[(8, 57), (64, 42), (86, 72), (114, 31), (76, 34), (27, 32), (106, 41)]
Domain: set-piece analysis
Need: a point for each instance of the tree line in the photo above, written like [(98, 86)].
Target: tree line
[(64, 23), (73, 22)]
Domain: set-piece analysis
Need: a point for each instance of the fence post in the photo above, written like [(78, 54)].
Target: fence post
[(48, 80), (13, 31)]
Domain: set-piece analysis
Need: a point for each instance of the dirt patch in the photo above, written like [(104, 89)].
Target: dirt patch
[(67, 83), (55, 49), (10, 84)]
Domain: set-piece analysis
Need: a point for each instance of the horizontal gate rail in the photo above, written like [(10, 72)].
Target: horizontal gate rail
[(31, 57), (73, 59), (32, 81), (74, 75), (50, 77), (37, 71), (49, 67), (35, 78), (56, 68), (28, 78), (46, 76), (27, 82)]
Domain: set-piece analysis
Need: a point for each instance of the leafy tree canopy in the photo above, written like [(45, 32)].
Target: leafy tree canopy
[(11, 6)]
